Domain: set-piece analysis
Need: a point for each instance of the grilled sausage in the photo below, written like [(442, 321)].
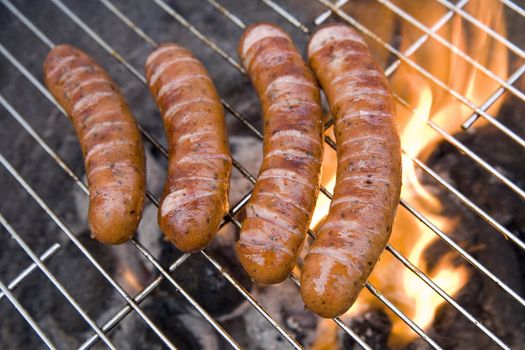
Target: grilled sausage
[(368, 180), (282, 202), (195, 195), (110, 141)]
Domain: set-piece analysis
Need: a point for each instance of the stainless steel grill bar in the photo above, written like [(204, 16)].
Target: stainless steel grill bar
[(48, 150), (237, 208), (469, 204), (60, 162), (422, 39), (493, 98), (325, 15), (447, 135), (129, 23), (182, 21), (449, 138), (473, 156), (228, 17), (245, 172), (154, 200), (347, 330), (461, 251), (445, 296), (226, 13), (511, 134), (441, 234), (186, 295), (431, 32), (426, 279), (249, 125), (15, 282), (73, 17), (285, 14), (413, 21), (27, 23), (168, 9), (48, 274), (484, 27), (485, 106), (50, 44), (126, 309), (337, 320), (99, 40), (252, 179), (513, 7), (401, 315), (464, 149), (21, 310), (88, 255)]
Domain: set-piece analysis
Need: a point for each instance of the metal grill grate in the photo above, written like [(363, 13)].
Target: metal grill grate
[(164, 273)]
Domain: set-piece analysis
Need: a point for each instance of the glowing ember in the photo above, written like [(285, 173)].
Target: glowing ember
[(428, 101), (130, 281)]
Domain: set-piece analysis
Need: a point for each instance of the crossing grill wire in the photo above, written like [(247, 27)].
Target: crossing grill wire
[(116, 33)]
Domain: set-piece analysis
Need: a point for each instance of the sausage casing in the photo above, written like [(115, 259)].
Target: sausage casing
[(110, 140), (195, 195), (368, 179), (282, 202)]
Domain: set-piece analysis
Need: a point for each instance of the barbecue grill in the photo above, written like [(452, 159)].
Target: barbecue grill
[(113, 32)]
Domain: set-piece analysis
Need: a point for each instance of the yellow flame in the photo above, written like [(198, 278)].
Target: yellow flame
[(329, 168), (430, 102)]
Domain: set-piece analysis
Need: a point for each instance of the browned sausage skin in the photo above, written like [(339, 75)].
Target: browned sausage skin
[(281, 206), (110, 141), (195, 195), (368, 179)]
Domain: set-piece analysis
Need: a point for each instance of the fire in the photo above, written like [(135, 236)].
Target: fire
[(329, 168), (428, 102)]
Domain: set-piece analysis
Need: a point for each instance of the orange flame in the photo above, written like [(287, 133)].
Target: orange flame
[(429, 102)]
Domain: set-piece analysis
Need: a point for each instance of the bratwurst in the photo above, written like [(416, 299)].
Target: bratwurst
[(110, 141), (284, 197), (368, 179), (195, 195)]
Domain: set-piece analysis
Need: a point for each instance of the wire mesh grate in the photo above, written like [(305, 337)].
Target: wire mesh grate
[(164, 273)]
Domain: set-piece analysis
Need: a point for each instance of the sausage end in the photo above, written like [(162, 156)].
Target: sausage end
[(266, 267), (190, 229), (112, 220), (326, 287)]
